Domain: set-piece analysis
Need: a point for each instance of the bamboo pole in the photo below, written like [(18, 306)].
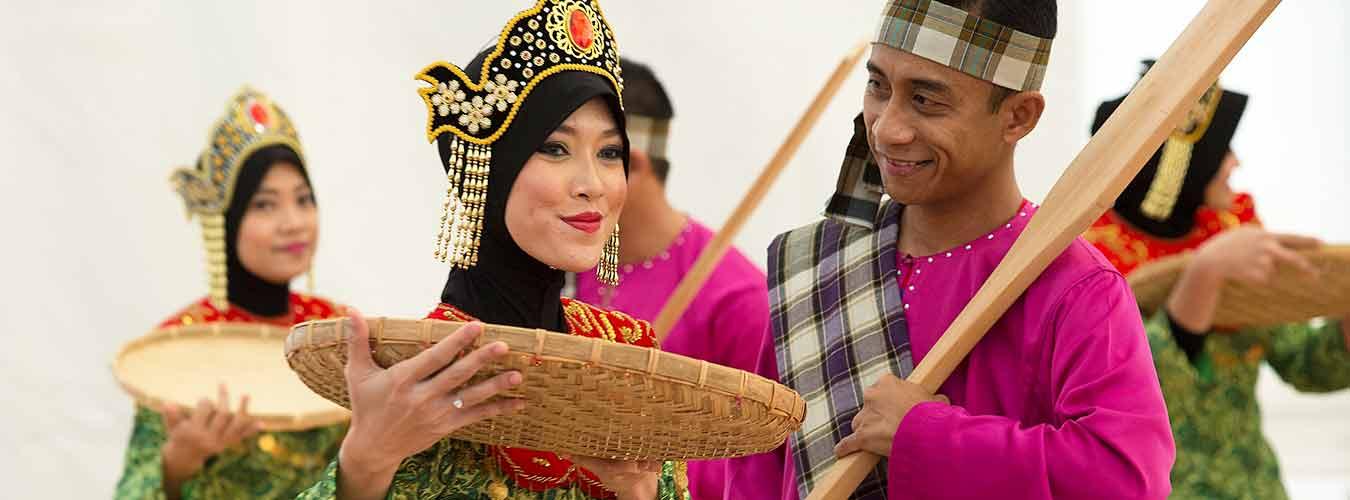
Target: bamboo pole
[(707, 260)]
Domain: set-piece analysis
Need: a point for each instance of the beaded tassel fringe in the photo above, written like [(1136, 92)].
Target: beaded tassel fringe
[(462, 214), (1166, 187), (213, 235)]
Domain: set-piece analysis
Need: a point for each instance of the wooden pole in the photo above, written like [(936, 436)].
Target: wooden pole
[(1086, 189), (707, 260)]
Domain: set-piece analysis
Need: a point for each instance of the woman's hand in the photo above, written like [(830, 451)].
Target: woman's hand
[(194, 438), (405, 409), (1246, 254), (1251, 254), (628, 480)]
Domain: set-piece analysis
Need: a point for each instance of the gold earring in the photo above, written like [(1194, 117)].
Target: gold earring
[(608, 270)]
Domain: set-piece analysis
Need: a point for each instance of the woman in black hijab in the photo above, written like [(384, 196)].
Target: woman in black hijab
[(260, 225), (535, 152)]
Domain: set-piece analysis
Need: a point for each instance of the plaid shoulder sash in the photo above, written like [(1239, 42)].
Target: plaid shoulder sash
[(838, 325)]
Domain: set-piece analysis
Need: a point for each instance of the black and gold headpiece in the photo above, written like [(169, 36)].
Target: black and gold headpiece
[(552, 37), (251, 122), (1163, 198)]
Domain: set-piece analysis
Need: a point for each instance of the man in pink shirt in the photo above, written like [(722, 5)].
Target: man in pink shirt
[(727, 323), (1060, 399)]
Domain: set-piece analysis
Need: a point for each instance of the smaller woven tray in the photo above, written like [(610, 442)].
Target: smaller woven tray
[(1290, 296), (586, 396), (183, 364)]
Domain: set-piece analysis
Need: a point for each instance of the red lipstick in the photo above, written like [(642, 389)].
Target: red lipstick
[(295, 248), (588, 222)]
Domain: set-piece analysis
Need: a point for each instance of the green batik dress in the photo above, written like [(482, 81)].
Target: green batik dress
[(1221, 453), (460, 470), (272, 465), (268, 465)]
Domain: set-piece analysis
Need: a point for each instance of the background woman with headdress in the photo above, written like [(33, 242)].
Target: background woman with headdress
[(535, 150), (1181, 202), (260, 225)]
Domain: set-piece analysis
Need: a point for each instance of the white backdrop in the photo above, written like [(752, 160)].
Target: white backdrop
[(103, 99)]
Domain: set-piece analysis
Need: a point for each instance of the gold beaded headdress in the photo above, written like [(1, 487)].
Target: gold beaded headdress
[(251, 122), (551, 37), (1176, 156)]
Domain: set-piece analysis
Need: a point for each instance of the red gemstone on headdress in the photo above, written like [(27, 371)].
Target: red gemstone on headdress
[(258, 113), (579, 26)]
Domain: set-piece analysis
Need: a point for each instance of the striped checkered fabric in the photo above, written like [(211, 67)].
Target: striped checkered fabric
[(838, 325), (857, 195), (970, 44), (648, 135)]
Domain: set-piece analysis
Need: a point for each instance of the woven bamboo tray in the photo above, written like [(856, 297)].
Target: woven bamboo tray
[(181, 365), (1289, 297), (586, 396)]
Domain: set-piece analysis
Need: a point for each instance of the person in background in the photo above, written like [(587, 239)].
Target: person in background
[(260, 220), (1181, 202), (727, 322)]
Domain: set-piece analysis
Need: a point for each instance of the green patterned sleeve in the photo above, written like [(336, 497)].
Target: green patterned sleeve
[(1177, 374), (414, 479), (326, 488), (143, 469), (406, 484), (1310, 356), (674, 481)]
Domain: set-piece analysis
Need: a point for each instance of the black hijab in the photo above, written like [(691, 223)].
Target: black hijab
[(508, 286), (1207, 156), (245, 289)]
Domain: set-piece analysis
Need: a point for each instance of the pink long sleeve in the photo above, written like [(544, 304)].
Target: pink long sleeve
[(1102, 433)]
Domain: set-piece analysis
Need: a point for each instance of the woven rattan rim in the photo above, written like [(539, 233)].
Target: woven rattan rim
[(588, 396), (1290, 296), (270, 420)]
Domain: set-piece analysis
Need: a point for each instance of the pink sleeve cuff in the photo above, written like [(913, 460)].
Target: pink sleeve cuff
[(919, 442)]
